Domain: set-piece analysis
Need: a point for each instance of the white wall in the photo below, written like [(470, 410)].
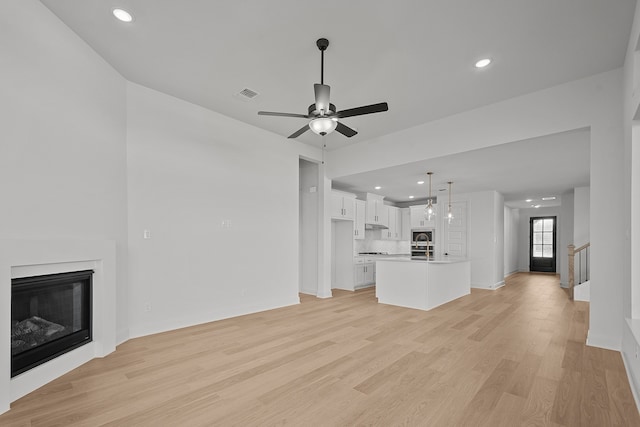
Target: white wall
[(511, 223), (191, 171), (581, 215), (308, 217), (565, 235), (63, 150)]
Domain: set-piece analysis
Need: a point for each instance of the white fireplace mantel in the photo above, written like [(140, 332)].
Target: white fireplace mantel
[(20, 258)]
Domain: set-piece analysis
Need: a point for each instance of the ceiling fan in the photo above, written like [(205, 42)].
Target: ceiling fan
[(323, 114)]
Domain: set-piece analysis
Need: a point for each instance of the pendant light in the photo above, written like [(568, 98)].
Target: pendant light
[(429, 211), (449, 211)]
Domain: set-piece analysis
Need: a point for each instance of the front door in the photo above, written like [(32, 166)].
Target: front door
[(542, 249)]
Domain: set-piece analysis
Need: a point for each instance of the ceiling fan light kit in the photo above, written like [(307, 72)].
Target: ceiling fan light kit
[(323, 125), (323, 114)]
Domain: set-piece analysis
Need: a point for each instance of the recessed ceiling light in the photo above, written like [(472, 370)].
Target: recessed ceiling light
[(411, 197), (549, 198), (420, 182), (377, 187), (536, 206), (122, 15), (483, 63), (529, 200)]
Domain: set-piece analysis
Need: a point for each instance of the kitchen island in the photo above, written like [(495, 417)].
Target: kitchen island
[(420, 282)]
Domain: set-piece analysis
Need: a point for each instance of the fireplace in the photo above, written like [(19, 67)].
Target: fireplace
[(50, 315)]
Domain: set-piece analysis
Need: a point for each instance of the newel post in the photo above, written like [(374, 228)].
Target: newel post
[(572, 252)]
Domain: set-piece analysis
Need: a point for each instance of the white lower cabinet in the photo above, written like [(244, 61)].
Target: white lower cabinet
[(364, 272)]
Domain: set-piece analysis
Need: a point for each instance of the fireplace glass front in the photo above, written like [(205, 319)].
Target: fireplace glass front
[(50, 315)]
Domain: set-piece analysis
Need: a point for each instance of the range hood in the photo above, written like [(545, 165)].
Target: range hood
[(368, 226)]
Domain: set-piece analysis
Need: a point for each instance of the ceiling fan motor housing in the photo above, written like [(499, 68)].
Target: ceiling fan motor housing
[(313, 112)]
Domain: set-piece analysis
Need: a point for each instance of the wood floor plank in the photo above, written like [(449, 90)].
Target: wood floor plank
[(623, 410), (537, 408), (514, 356)]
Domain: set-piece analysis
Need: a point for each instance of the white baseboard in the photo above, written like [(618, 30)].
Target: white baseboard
[(491, 287), (630, 356), (323, 295), (201, 318), (122, 336), (605, 342), (630, 377)]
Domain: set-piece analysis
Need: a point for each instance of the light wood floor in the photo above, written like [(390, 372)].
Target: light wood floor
[(511, 357)]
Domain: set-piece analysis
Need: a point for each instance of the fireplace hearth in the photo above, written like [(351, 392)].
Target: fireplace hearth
[(50, 315)]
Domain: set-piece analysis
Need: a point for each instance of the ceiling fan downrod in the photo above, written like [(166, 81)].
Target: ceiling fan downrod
[(322, 44)]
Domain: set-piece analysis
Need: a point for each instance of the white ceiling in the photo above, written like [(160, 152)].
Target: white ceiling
[(416, 55), (530, 169)]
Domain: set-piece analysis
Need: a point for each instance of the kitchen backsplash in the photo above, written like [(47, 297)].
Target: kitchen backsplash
[(372, 243)]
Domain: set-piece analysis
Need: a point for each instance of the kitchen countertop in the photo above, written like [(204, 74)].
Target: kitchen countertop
[(433, 260)]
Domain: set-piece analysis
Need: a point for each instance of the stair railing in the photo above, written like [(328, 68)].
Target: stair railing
[(582, 266)]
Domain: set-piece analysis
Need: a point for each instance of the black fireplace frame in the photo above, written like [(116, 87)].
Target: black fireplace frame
[(29, 359)]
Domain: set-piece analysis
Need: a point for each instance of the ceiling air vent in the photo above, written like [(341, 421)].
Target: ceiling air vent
[(246, 94)]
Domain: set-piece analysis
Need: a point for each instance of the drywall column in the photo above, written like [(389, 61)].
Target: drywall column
[(309, 219), (565, 237), (607, 236), (486, 239), (324, 235), (634, 232), (511, 221), (581, 216)]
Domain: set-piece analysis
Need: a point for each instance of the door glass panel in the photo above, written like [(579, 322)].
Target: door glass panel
[(543, 239)]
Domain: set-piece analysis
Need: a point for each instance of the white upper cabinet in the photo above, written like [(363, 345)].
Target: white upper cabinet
[(342, 205), (358, 226), (418, 219), (376, 210), (394, 232), (405, 224), (389, 233)]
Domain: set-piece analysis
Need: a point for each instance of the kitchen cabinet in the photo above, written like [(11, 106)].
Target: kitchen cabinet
[(364, 274), (342, 205), (405, 224), (398, 224), (360, 213), (394, 223), (418, 219), (376, 210)]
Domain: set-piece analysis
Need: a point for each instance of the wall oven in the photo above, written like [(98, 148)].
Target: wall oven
[(423, 242)]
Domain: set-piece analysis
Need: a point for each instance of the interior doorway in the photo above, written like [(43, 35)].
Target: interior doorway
[(542, 244)]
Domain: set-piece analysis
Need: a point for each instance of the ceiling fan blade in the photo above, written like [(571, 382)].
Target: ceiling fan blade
[(322, 97), (345, 130), (299, 131), (359, 111), (271, 113)]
